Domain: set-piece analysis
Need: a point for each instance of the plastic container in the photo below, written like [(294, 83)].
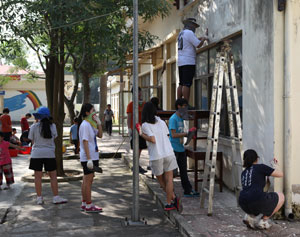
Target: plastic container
[(27, 150), (13, 152)]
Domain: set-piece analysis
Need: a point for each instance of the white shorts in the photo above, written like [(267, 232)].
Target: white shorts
[(163, 165)]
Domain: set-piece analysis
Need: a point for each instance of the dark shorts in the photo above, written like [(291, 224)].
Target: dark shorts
[(186, 75), (142, 143), (264, 206), (37, 164), (86, 170)]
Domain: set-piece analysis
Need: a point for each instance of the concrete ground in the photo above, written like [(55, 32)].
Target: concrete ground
[(193, 221), (112, 190)]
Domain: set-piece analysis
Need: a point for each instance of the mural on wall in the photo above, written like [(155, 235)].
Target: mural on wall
[(19, 101), (33, 98)]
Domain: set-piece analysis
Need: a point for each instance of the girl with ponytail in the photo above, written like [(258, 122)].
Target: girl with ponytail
[(42, 135), (89, 128)]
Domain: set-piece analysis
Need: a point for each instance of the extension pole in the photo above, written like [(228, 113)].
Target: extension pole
[(135, 208)]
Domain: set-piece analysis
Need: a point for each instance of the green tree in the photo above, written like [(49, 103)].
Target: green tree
[(89, 31)]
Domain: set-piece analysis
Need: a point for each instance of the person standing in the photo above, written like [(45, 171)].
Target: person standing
[(108, 117), (6, 163), (42, 135), (129, 111), (187, 45), (6, 124), (161, 155), (74, 135), (24, 122), (177, 134), (89, 128)]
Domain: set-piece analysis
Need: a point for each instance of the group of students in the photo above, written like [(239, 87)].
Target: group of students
[(166, 153)]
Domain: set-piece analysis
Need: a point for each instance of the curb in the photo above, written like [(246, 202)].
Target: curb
[(177, 219), (76, 177)]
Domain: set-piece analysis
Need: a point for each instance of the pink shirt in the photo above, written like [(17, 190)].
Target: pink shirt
[(4, 153)]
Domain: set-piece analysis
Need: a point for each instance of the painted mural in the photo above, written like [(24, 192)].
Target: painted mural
[(21, 102)]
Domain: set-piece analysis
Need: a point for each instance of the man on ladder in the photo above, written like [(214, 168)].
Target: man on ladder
[(187, 45)]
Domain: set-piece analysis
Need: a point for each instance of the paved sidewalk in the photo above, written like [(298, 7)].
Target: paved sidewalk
[(111, 190), (193, 221)]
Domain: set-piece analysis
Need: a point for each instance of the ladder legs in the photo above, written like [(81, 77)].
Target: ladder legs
[(222, 74)]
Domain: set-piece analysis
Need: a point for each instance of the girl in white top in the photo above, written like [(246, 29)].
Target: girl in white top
[(161, 155), (89, 128)]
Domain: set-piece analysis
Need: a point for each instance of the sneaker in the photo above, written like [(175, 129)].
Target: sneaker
[(98, 169), (193, 193), (82, 208), (263, 224), (176, 202), (59, 200), (169, 207), (39, 200), (249, 221), (141, 170), (93, 209), (148, 168), (6, 187)]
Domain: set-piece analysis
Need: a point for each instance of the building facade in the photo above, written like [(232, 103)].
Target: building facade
[(265, 44)]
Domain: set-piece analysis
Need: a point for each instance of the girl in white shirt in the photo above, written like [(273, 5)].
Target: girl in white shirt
[(161, 155), (89, 128)]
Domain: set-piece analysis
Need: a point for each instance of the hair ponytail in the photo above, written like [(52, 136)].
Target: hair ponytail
[(250, 156), (46, 128)]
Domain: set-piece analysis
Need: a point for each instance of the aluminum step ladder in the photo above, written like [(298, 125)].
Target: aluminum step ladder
[(224, 60)]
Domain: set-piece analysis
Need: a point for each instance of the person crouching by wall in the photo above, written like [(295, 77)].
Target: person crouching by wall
[(253, 200), (42, 135)]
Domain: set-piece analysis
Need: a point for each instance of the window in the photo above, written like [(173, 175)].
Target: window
[(145, 85), (204, 80)]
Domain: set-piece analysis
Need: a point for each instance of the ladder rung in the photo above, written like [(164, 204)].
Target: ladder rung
[(212, 139), (231, 87), (233, 112), (236, 139), (215, 113), (206, 190), (238, 163), (208, 163)]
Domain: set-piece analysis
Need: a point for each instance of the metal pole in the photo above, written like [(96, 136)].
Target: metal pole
[(135, 208)]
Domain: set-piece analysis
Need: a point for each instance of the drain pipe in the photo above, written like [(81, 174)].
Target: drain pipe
[(287, 112)]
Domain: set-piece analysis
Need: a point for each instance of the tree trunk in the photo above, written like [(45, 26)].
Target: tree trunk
[(86, 87), (103, 96), (70, 102), (55, 93)]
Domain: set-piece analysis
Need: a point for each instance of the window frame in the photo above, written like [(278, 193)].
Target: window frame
[(203, 123)]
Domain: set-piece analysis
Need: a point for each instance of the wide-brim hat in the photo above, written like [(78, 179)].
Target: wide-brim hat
[(190, 21), (42, 112)]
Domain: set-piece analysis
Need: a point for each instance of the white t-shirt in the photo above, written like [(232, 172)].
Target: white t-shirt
[(162, 147), (187, 44), (42, 147), (88, 133)]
